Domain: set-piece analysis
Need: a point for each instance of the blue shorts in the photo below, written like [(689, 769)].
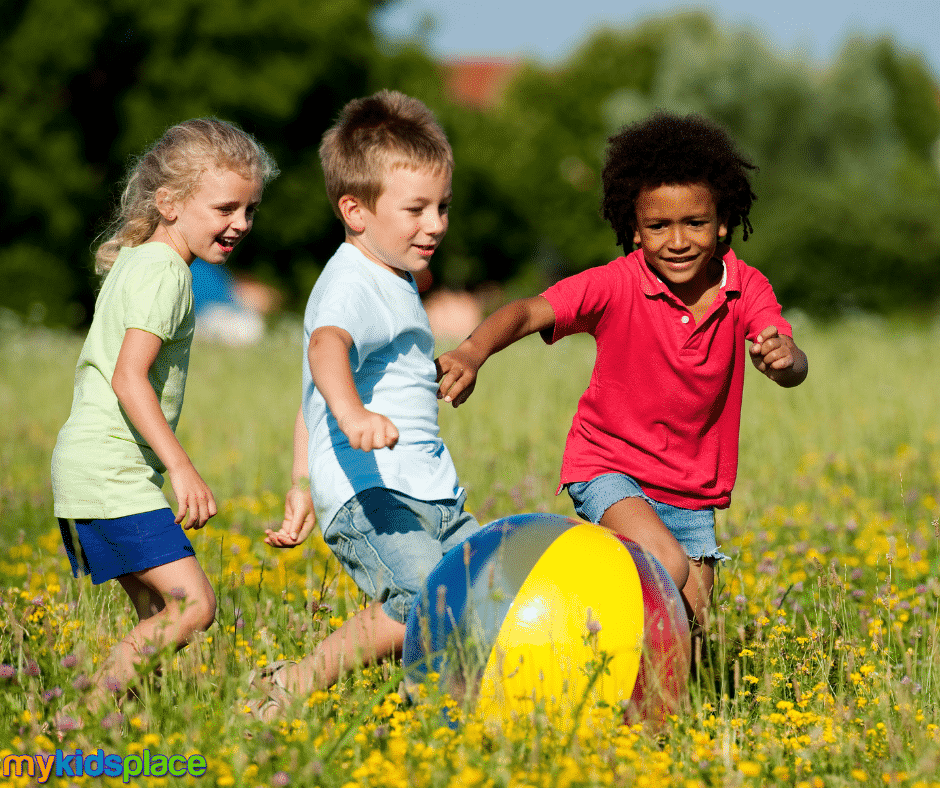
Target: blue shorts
[(694, 529), (389, 542), (106, 549)]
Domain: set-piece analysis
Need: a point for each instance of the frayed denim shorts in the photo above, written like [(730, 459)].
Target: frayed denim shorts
[(389, 542), (694, 529)]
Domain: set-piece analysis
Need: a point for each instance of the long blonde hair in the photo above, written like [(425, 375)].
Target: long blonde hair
[(176, 161)]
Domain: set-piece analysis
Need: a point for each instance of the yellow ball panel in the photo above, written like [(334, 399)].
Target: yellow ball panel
[(581, 603)]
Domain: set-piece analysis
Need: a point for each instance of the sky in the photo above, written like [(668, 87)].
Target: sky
[(549, 30)]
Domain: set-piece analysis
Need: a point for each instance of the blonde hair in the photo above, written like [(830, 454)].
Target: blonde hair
[(374, 135), (176, 162)]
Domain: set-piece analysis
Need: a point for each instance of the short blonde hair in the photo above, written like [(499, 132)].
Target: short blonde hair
[(176, 162), (374, 135)]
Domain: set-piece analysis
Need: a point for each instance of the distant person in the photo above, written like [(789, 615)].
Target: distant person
[(653, 448), (367, 437), (221, 315), (193, 194)]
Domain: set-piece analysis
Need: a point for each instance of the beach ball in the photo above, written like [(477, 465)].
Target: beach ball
[(541, 612)]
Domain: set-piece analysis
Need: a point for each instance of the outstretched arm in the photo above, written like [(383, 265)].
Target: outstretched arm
[(457, 370), (328, 356), (299, 518), (778, 357), (132, 387)]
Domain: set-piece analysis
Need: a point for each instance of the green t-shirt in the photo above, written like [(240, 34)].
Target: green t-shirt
[(102, 467)]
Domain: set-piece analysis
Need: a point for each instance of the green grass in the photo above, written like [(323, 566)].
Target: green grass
[(822, 662)]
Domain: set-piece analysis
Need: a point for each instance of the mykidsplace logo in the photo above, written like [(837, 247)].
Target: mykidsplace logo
[(77, 764)]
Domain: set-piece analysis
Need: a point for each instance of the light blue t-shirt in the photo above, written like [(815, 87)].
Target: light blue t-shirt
[(392, 361)]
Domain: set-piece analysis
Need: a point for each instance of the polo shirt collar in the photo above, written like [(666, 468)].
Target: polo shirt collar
[(652, 285)]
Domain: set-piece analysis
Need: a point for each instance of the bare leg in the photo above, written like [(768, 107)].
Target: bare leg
[(173, 602), (635, 519), (697, 591), (367, 636)]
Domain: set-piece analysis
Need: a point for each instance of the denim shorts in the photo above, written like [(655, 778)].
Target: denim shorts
[(694, 529), (389, 542), (106, 549)]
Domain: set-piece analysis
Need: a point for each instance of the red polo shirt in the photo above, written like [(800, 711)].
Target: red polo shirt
[(664, 401)]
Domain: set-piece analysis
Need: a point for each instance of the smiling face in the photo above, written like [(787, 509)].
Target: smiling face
[(678, 230), (211, 221), (408, 222)]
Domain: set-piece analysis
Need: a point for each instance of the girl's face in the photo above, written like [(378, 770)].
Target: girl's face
[(678, 230), (212, 220)]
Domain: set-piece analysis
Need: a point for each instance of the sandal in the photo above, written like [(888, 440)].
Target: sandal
[(270, 680)]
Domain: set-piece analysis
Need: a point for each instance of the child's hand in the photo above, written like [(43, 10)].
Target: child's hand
[(299, 520), (778, 357), (193, 495), (367, 430), (457, 375)]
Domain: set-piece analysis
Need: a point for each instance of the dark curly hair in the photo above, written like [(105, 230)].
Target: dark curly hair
[(668, 149)]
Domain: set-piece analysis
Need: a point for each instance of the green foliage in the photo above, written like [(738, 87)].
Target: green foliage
[(846, 186), (847, 189)]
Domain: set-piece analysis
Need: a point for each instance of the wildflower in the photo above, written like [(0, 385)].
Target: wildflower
[(280, 778), (69, 661), (749, 768), (7, 672), (112, 720)]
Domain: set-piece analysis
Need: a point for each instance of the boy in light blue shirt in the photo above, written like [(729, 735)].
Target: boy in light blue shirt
[(381, 478)]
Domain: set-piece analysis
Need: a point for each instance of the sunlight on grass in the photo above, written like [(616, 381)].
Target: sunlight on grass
[(822, 662)]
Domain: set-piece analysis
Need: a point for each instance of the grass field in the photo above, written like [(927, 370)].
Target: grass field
[(822, 663)]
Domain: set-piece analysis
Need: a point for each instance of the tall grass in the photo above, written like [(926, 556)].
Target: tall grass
[(821, 666)]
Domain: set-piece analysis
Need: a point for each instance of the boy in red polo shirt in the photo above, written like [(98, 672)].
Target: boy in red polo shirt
[(653, 447)]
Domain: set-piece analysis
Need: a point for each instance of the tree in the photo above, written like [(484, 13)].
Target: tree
[(85, 86)]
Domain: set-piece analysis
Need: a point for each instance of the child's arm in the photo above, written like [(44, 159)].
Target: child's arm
[(328, 356), (132, 387), (299, 518), (778, 357), (457, 370)]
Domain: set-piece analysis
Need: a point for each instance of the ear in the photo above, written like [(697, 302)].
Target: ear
[(637, 240), (351, 209), (723, 229), (166, 204)]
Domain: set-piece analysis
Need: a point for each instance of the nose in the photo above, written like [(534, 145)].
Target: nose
[(241, 221), (677, 238), (435, 223)]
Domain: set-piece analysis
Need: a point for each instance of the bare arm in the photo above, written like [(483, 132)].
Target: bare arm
[(778, 357), (132, 387), (299, 518), (328, 355), (457, 370)]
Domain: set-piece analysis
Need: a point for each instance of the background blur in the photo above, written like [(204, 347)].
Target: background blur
[(848, 144)]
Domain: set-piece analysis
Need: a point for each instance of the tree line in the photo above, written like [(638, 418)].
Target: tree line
[(848, 186)]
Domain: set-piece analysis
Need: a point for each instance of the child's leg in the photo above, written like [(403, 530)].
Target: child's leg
[(173, 602), (635, 519), (697, 591), (369, 635)]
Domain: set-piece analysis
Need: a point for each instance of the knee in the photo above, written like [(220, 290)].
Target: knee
[(676, 563), (199, 611)]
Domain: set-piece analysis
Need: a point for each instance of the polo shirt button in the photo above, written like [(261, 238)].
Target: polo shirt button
[(685, 318)]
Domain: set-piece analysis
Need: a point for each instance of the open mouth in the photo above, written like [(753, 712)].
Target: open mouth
[(226, 244)]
